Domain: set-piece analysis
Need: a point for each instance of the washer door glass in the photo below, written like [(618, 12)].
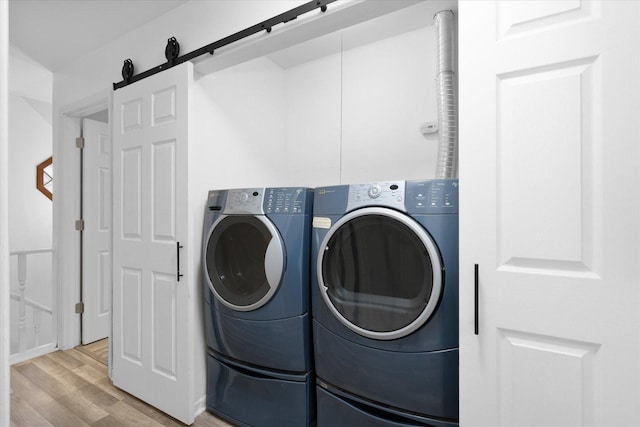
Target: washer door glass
[(380, 273), (244, 261)]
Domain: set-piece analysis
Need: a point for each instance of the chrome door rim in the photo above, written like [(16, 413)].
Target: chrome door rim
[(431, 249), (274, 264)]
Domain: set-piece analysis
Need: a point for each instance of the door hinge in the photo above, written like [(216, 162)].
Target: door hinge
[(80, 142), (80, 308), (80, 225)]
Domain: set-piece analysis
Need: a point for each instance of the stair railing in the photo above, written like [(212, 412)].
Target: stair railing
[(23, 303)]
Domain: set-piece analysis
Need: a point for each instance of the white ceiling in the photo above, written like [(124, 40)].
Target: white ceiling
[(55, 32)]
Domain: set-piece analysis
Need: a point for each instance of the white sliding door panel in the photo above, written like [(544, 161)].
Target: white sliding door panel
[(153, 346), (550, 212), (96, 198)]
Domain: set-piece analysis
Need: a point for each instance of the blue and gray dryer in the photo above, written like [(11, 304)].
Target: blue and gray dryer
[(385, 303)]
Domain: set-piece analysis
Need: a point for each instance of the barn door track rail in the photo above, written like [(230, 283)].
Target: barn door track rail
[(172, 50)]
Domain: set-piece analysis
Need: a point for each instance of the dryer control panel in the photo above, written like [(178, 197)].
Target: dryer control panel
[(433, 196)]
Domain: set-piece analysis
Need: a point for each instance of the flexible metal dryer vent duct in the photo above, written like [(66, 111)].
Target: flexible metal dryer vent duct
[(446, 92)]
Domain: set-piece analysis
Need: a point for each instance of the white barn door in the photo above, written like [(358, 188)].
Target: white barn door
[(96, 247), (152, 337), (550, 212)]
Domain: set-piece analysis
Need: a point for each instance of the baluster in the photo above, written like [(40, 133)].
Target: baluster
[(37, 314), (22, 316)]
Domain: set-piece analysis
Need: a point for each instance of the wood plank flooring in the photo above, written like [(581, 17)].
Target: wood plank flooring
[(96, 350), (71, 388)]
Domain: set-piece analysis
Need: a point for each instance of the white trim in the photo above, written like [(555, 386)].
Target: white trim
[(66, 209), (5, 342), (33, 353), (200, 405)]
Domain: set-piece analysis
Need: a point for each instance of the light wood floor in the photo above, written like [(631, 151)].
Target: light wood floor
[(71, 388)]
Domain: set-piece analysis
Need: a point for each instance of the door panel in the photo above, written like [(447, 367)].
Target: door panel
[(153, 342), (550, 212), (130, 332), (96, 248), (131, 194), (554, 237), (164, 191), (528, 361), (164, 325)]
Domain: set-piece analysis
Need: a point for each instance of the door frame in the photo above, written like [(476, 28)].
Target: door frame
[(66, 209), (5, 342)]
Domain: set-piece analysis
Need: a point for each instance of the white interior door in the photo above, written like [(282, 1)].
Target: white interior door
[(96, 247), (550, 211), (152, 337)]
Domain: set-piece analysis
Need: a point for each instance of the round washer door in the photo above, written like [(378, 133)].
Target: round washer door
[(379, 273), (244, 261)]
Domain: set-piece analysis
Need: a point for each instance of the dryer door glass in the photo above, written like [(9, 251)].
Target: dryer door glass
[(235, 260), (379, 274)]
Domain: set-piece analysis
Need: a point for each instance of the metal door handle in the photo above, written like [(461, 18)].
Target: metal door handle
[(178, 247), (476, 302)]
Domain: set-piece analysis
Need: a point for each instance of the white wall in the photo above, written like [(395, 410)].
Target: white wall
[(30, 143), (240, 112), (313, 120), (30, 135), (30, 212), (388, 90), (341, 118)]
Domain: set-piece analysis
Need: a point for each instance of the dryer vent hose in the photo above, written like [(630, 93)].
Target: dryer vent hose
[(447, 96)]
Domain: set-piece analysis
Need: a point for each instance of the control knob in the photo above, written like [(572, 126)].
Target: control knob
[(374, 191)]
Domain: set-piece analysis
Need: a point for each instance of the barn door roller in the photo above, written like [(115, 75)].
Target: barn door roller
[(172, 51)]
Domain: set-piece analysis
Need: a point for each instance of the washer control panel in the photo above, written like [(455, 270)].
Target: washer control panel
[(388, 193), (260, 201), (244, 201)]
